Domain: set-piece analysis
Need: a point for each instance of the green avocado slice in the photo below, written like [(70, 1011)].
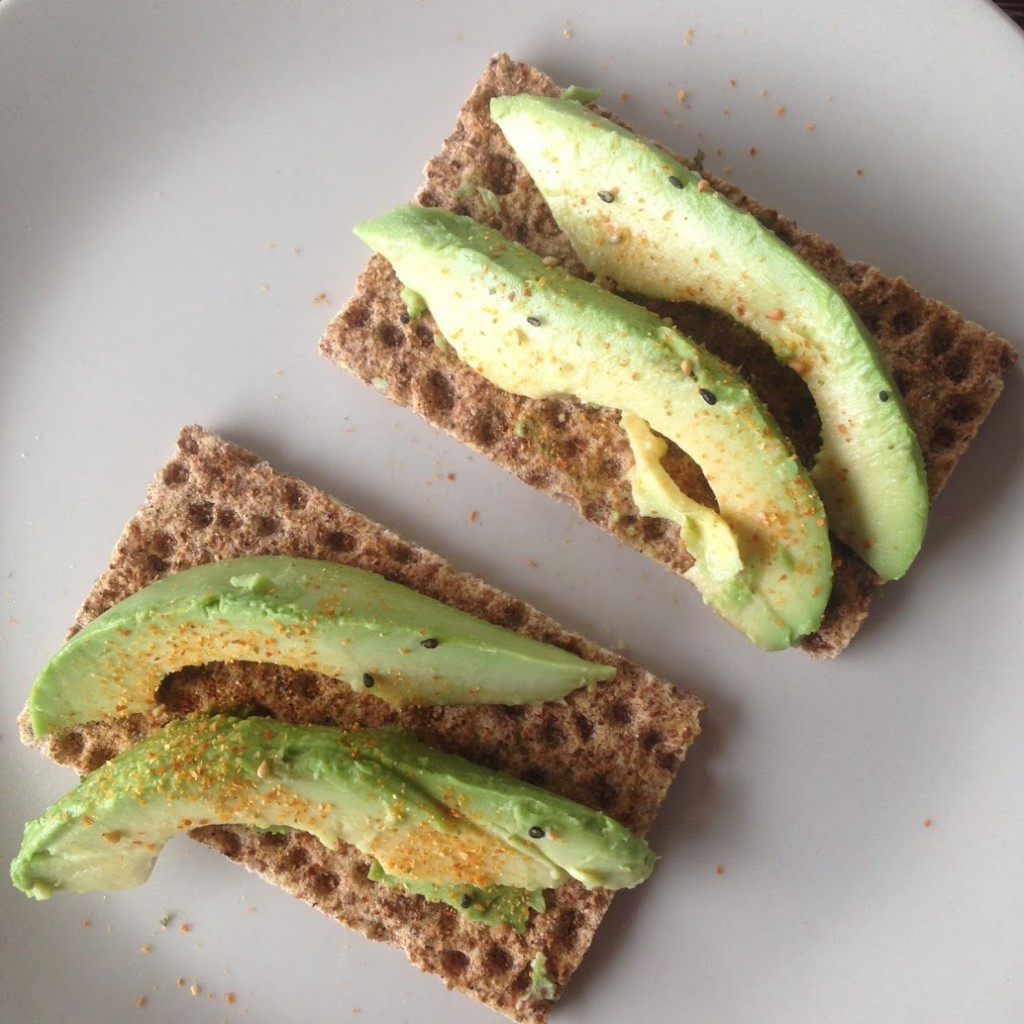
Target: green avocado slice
[(379, 637), (538, 331), (441, 825), (637, 216)]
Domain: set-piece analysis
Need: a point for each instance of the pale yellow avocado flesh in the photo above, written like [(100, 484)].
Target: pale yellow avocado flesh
[(660, 231), (538, 331)]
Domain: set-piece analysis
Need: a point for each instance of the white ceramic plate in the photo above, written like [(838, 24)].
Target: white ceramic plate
[(177, 186)]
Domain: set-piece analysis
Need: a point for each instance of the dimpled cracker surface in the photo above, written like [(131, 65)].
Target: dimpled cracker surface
[(949, 370), (615, 747)]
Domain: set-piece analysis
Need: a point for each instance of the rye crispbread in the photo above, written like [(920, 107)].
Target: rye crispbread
[(949, 370), (615, 747)]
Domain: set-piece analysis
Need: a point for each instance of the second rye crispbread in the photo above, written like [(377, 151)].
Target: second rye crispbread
[(615, 747), (949, 370)]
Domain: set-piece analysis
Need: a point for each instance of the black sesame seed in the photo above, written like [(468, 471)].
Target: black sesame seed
[(883, 396), (465, 901), (536, 832), (430, 643), (605, 196), (533, 321), (675, 182), (709, 396), (368, 680), (404, 317)]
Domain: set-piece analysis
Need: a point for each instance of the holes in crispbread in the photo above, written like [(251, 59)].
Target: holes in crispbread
[(175, 474)]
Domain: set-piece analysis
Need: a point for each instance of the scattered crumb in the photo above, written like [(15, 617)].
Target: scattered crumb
[(229, 998), (195, 989), (140, 1002), (146, 949), (681, 95), (860, 172), (271, 245), (320, 297), (780, 110), (688, 37), (566, 29), (702, 185), (450, 476), (264, 287), (474, 516), (719, 869), (732, 83), (86, 923), (752, 151), (180, 983), (184, 928), (810, 126), (532, 563), (166, 920), (927, 823), (624, 96), (296, 249)]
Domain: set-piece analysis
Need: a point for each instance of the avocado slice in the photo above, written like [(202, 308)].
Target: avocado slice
[(637, 216), (538, 331), (379, 637), (480, 840)]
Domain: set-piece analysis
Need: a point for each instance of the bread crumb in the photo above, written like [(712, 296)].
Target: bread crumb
[(146, 949), (810, 126), (180, 983), (320, 297), (780, 110), (140, 1002), (752, 151), (681, 95), (927, 823), (624, 96), (184, 928), (688, 37), (229, 998), (195, 989), (474, 516), (86, 923), (860, 172), (566, 29), (719, 869), (450, 476)]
